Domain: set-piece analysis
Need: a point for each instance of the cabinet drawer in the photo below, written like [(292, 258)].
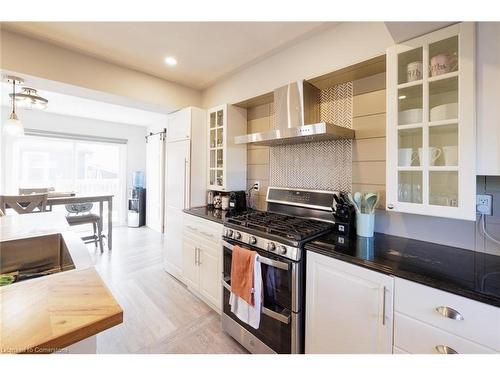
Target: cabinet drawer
[(480, 322), (416, 337), (203, 228)]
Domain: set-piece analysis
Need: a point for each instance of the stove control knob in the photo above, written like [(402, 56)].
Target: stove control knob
[(252, 240), (282, 249), (229, 233), (237, 235), (271, 246)]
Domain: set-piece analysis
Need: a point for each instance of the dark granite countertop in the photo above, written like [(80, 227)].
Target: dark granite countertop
[(463, 272), (212, 214)]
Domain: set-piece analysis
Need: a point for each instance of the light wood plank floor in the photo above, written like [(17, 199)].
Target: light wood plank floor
[(160, 314)]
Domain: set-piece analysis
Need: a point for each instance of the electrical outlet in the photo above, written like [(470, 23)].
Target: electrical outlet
[(484, 203), (256, 185)]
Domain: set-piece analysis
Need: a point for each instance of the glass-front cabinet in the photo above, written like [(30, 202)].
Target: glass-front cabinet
[(431, 124), (226, 160)]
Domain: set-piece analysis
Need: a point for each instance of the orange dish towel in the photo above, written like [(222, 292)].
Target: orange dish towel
[(242, 269)]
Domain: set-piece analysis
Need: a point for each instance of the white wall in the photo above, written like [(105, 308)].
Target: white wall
[(334, 48)]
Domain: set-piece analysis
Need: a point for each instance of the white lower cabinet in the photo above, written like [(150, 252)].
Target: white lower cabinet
[(349, 309), (428, 320), (202, 259)]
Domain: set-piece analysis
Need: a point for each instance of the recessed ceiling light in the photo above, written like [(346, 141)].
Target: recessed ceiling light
[(170, 61)]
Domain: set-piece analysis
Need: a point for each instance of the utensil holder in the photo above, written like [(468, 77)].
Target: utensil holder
[(365, 224)]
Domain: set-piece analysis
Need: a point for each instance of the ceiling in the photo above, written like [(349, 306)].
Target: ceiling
[(70, 105), (205, 51)]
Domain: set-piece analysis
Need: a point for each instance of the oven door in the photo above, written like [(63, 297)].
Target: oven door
[(279, 326)]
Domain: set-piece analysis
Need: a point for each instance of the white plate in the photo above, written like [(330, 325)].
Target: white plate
[(410, 116), (444, 112)]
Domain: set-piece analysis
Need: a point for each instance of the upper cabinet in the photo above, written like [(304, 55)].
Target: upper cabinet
[(431, 137), (227, 161), (488, 110)]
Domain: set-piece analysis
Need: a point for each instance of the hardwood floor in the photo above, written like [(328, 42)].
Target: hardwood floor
[(160, 314)]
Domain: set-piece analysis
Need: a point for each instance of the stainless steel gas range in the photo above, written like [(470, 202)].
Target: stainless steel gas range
[(294, 217)]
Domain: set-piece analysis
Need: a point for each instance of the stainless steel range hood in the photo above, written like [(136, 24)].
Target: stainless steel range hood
[(297, 116)]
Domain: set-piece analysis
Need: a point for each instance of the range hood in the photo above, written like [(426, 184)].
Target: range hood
[(297, 116)]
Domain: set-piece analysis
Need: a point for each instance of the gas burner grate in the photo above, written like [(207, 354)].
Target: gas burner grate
[(289, 227)]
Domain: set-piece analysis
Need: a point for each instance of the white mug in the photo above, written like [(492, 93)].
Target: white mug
[(414, 71), (450, 155), (406, 157), (434, 154)]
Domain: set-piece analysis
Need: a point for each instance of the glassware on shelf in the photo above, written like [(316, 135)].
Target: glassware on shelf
[(220, 118), (220, 158), (410, 105), (410, 186), (443, 188), (409, 142), (410, 66), (220, 137), (443, 99), (445, 138), (220, 181), (212, 120), (213, 135), (443, 56)]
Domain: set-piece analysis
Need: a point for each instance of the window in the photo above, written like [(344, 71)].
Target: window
[(85, 167)]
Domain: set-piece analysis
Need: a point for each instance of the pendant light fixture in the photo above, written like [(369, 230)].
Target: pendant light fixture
[(13, 126), (28, 98)]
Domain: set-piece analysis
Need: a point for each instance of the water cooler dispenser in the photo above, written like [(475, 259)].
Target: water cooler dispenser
[(137, 202)]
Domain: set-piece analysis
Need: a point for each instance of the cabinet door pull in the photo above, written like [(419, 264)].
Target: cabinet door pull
[(199, 256), (207, 234), (383, 305), (443, 349), (195, 256), (192, 228), (449, 312)]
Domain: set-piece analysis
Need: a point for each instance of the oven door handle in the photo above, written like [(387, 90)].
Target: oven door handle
[(261, 259), (270, 313)]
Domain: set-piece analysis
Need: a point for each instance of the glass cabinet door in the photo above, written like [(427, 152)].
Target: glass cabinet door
[(430, 126), (216, 149)]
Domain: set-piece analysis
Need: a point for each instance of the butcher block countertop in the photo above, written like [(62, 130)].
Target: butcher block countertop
[(49, 313)]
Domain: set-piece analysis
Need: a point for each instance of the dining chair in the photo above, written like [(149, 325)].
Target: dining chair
[(80, 213), (24, 204)]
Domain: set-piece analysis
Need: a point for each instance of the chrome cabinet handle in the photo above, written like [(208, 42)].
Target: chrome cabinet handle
[(199, 256), (207, 234), (185, 182), (192, 228), (383, 306), (195, 256), (443, 349), (449, 312)]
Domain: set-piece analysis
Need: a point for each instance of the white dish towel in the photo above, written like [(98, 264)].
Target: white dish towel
[(247, 313)]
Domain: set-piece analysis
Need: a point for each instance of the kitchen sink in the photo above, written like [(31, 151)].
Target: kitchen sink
[(27, 258)]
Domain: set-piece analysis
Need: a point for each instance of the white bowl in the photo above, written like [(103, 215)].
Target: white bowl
[(410, 116), (444, 112)]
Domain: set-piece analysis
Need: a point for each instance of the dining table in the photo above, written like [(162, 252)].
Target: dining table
[(89, 198)]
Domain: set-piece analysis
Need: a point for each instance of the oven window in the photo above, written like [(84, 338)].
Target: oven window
[(276, 283)]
